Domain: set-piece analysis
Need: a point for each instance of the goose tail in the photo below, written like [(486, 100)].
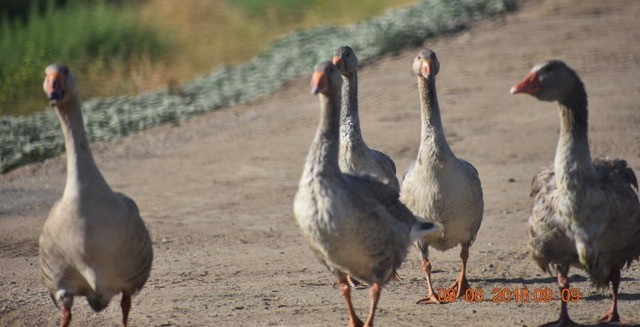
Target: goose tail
[(422, 229)]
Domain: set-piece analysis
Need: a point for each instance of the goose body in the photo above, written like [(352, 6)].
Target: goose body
[(354, 224), (355, 156), (93, 243), (585, 212), (438, 186)]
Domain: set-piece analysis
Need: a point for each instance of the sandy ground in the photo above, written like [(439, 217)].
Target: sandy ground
[(216, 192)]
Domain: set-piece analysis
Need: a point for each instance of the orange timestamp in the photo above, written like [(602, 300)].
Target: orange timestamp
[(506, 295)]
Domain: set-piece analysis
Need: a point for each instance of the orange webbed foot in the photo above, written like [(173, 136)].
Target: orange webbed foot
[(430, 299), (460, 286), (610, 317)]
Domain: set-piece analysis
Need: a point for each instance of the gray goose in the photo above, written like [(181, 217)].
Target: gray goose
[(355, 225), (585, 213), (93, 243), (355, 156), (440, 187)]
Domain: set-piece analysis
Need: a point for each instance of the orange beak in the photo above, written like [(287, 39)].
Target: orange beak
[(528, 85), (426, 68), (338, 62), (54, 88), (319, 82)]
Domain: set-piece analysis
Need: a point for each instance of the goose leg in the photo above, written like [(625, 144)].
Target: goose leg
[(612, 315), (353, 282), (357, 284), (375, 297), (461, 285), (345, 288), (426, 267), (66, 299), (563, 283), (396, 277), (65, 316), (125, 304)]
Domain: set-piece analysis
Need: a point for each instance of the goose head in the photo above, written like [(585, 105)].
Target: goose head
[(426, 64), (326, 79), (549, 81), (345, 59), (59, 84)]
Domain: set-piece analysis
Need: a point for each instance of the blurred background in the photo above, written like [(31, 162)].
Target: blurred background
[(124, 47)]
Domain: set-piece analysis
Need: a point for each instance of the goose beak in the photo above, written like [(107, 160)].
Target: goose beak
[(426, 68), (54, 90), (338, 62), (528, 85), (54, 97), (319, 82)]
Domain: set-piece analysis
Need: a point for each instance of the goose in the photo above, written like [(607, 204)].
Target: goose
[(355, 156), (93, 243), (440, 187), (355, 225), (585, 213)]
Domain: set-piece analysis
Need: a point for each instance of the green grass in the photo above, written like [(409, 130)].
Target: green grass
[(37, 137), (94, 39)]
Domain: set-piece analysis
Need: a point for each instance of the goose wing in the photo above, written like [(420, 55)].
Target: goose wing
[(135, 250), (617, 168), (383, 194), (549, 244)]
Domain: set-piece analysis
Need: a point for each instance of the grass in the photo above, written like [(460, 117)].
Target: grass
[(147, 45), (37, 137), (97, 39), (230, 32)]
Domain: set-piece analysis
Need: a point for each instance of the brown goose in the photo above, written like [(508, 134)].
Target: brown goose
[(355, 225), (94, 243), (438, 186), (585, 213), (355, 156)]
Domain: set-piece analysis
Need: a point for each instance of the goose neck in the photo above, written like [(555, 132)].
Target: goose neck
[(433, 142), (573, 163), (323, 154), (350, 119), (81, 168)]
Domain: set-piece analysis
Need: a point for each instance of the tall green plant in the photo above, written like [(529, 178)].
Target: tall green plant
[(79, 34)]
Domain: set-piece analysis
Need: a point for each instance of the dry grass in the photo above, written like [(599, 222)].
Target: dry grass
[(211, 33)]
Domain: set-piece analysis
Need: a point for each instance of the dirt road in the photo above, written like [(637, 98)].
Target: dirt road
[(216, 192)]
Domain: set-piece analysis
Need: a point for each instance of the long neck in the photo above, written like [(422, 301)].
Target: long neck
[(573, 158), (350, 119), (433, 144), (323, 153), (81, 169)]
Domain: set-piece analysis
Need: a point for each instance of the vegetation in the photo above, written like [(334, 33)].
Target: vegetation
[(229, 32), (95, 39), (36, 137), (123, 47)]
